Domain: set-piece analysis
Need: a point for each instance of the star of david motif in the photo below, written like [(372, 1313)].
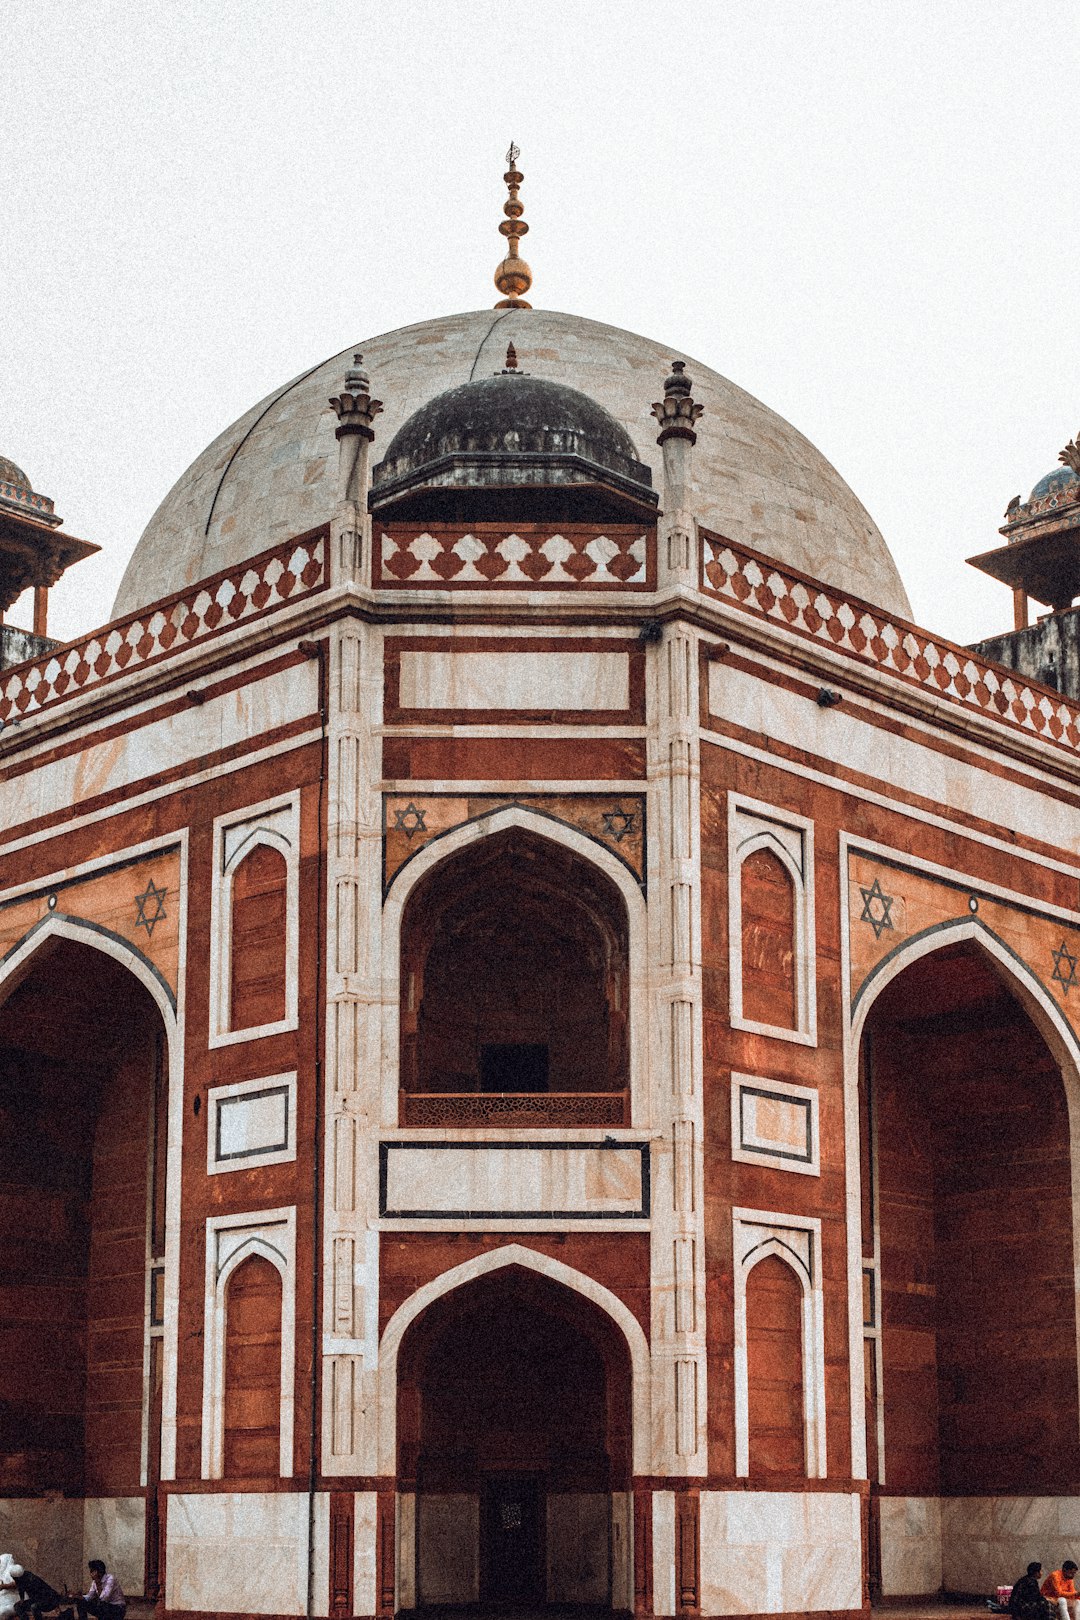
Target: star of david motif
[(618, 823), (150, 907), (410, 820), (1065, 964), (877, 908)]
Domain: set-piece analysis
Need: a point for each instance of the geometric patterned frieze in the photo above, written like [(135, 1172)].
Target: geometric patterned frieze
[(615, 820), (530, 556), (756, 585), (211, 606)]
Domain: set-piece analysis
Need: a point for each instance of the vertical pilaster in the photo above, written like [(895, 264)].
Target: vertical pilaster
[(678, 1258), (353, 904), (678, 1278)]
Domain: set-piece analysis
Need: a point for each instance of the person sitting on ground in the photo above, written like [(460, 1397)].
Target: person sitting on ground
[(36, 1597), (1060, 1588), (105, 1599), (1026, 1602)]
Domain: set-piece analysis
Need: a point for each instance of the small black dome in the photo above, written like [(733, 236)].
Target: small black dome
[(511, 433)]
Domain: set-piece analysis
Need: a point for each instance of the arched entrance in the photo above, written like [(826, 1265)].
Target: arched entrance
[(967, 1241), (83, 1112), (514, 1417)]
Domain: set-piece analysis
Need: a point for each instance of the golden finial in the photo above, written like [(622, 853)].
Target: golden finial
[(513, 277)]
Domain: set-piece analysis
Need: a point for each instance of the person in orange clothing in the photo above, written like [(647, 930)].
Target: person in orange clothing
[(1060, 1588)]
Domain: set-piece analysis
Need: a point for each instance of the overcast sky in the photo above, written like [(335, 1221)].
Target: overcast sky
[(864, 214)]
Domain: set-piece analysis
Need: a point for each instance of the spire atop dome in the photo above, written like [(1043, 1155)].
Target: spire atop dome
[(513, 277)]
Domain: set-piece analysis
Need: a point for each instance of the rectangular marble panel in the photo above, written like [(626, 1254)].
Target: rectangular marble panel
[(578, 1547), (244, 1553), (252, 1123), (365, 1520), (147, 753), (448, 1549), (774, 1123), (114, 1529), (987, 1540), (780, 1552), (887, 759), (663, 1551), (46, 1535), (528, 680), (576, 1180), (910, 1545)]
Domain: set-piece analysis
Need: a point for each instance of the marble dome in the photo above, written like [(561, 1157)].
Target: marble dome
[(272, 474)]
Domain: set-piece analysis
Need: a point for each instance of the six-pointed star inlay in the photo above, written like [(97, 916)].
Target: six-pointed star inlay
[(1065, 964), (410, 820), (150, 907), (619, 822), (877, 908)]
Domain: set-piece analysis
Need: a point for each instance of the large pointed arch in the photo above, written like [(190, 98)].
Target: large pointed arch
[(552, 831), (15, 966), (1063, 1044), (515, 1254)]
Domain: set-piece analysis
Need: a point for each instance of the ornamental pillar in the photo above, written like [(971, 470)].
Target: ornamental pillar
[(351, 538), (676, 413)]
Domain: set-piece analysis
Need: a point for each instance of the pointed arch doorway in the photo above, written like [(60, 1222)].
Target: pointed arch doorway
[(84, 1067), (970, 1352), (514, 1403)]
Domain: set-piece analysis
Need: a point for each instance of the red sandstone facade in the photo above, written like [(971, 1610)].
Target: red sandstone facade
[(553, 1085)]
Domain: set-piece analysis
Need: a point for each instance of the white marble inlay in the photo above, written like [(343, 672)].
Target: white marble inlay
[(114, 1529), (774, 1123), (244, 1553), (450, 1180), (663, 1551), (986, 1541), (252, 1123), (779, 1552), (910, 1545), (46, 1535), (528, 680)]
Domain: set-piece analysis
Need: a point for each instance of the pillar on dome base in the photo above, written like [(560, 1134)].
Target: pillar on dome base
[(351, 538), (676, 413)]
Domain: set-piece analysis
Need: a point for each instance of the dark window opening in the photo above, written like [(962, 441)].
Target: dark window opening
[(514, 1066)]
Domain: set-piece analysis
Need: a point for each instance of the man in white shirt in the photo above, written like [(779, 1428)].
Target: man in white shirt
[(105, 1599)]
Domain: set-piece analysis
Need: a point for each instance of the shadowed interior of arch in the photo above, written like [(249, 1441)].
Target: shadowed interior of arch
[(514, 1433), (83, 1109), (966, 1190), (515, 980)]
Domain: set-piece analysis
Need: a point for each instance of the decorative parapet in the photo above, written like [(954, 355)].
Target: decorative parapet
[(528, 556), (208, 608), (754, 583)]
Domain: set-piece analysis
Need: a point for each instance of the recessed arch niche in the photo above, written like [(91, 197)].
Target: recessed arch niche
[(515, 988), (967, 1232), (84, 1065)]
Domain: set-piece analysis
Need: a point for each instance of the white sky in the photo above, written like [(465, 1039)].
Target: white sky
[(864, 214)]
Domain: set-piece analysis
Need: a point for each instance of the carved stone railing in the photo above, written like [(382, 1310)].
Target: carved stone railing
[(525, 556), (504, 1110), (208, 608), (757, 585)]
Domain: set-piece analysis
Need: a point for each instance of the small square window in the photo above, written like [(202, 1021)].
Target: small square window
[(519, 1066)]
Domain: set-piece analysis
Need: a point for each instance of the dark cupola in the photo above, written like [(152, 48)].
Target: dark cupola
[(512, 447)]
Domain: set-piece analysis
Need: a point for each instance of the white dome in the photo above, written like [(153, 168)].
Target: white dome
[(273, 473)]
